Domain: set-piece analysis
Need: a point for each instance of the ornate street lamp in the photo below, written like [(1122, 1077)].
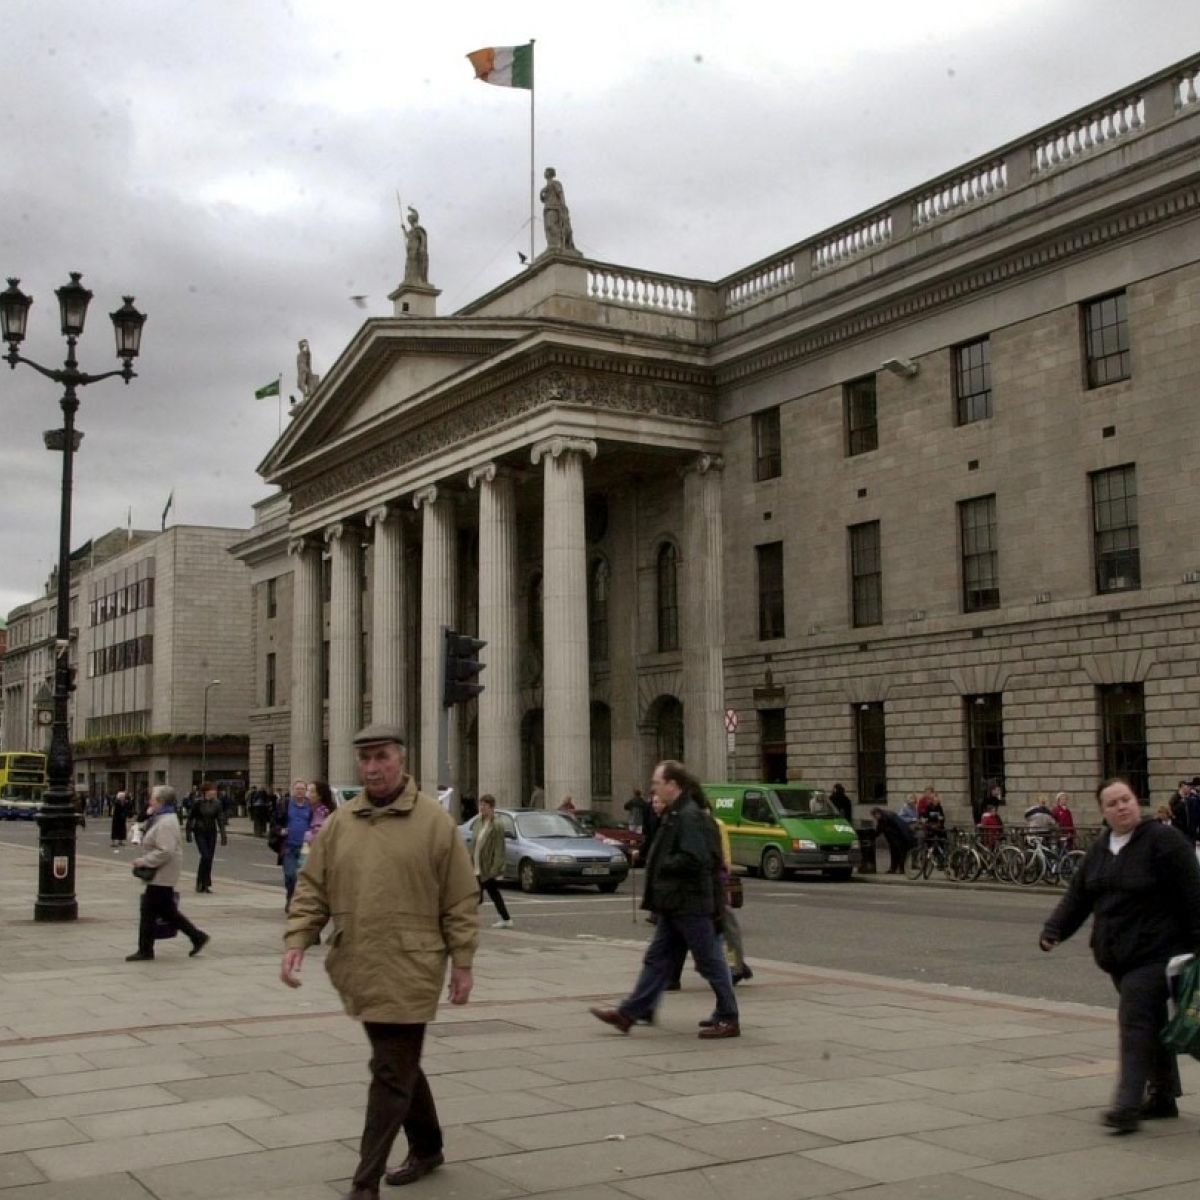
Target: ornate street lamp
[(56, 818)]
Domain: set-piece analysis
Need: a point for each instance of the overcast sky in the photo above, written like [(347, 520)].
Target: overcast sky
[(235, 167)]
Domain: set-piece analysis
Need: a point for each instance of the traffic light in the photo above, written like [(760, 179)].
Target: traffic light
[(460, 667)]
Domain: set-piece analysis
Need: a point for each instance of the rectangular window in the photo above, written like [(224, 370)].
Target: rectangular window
[(770, 590), (768, 453), (1123, 723), (269, 764), (866, 574), (269, 698), (1106, 339), (325, 669), (272, 599), (973, 380), (980, 559), (985, 742), (1115, 529), (870, 747), (862, 431), (773, 744)]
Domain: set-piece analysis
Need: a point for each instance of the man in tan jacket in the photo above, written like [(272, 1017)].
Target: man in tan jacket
[(390, 872)]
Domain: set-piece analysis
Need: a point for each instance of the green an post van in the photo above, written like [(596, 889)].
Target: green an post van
[(776, 828)]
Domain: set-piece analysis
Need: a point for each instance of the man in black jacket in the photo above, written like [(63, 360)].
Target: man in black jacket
[(683, 891), (1141, 881), (205, 820)]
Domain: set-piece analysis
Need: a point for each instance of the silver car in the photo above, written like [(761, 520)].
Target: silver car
[(548, 849)]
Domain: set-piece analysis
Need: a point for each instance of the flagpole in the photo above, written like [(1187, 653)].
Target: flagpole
[(532, 169), (279, 402)]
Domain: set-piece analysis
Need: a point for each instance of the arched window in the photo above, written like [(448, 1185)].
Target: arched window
[(668, 729), (532, 755), (598, 582), (668, 597), (601, 735)]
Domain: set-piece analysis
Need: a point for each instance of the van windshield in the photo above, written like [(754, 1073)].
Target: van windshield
[(804, 802)]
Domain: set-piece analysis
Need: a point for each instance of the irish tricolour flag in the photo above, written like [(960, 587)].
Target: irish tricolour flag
[(505, 66)]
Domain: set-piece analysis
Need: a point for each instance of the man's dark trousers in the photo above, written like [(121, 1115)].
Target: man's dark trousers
[(399, 1098), (674, 934), (206, 844), (1141, 1014)]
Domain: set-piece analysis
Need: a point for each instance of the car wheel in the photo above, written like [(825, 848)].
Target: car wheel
[(526, 876), (609, 887), (772, 864)]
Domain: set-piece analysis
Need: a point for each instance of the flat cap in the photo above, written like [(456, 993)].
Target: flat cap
[(374, 735)]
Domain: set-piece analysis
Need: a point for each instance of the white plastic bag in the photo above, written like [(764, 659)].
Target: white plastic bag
[(135, 834)]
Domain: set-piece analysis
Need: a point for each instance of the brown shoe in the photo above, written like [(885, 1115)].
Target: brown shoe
[(614, 1017), (721, 1029), (412, 1169)]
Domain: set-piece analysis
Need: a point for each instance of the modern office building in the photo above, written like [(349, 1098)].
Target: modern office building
[(912, 501), (160, 638)]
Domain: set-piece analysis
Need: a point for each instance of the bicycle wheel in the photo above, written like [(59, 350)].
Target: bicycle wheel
[(958, 863), (1008, 865), (914, 865), (1068, 865), (974, 866), (1033, 870)]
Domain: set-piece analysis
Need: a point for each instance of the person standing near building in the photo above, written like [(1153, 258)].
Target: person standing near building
[(122, 810), (636, 806), (392, 873), (683, 889), (205, 822), (162, 851), (488, 853), (841, 802), (1141, 882), (294, 822), (898, 834)]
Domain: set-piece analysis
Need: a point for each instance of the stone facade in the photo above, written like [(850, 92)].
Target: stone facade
[(155, 617), (794, 493)]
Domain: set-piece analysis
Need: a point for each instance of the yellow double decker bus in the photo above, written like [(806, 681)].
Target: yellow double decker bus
[(22, 784)]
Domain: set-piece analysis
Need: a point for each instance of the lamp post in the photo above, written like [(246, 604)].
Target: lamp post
[(212, 683), (56, 818)]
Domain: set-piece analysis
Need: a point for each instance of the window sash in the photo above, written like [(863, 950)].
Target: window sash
[(862, 428), (1106, 325), (866, 574), (973, 381)]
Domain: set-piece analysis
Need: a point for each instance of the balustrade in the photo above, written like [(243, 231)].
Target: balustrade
[(1088, 133), (950, 194), (641, 291), (852, 240)]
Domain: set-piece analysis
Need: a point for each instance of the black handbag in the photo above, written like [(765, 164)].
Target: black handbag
[(145, 874)]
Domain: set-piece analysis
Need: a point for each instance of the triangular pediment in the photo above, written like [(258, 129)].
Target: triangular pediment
[(390, 368)]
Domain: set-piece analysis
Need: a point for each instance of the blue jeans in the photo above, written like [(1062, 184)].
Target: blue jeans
[(674, 935), (291, 868)]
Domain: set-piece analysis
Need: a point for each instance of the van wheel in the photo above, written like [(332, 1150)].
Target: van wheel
[(526, 876), (772, 864)]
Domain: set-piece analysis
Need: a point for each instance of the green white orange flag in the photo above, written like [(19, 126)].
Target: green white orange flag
[(504, 66), (267, 389)]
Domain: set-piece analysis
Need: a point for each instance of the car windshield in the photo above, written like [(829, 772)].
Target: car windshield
[(548, 825), (804, 802)]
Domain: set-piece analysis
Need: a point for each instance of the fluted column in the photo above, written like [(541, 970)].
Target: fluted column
[(307, 630), (389, 667), (345, 649), (500, 700), (565, 689), (702, 619), (438, 587)]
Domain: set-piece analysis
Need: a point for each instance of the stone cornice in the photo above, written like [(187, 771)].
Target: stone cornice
[(554, 388), (1048, 254)]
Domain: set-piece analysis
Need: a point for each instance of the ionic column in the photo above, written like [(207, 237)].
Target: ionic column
[(500, 700), (567, 715), (389, 667), (345, 650), (702, 624), (438, 595), (307, 714)]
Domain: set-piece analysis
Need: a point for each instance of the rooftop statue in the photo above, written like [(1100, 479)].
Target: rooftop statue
[(556, 217), (416, 250)]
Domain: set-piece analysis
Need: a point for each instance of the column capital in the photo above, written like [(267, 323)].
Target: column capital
[(336, 531), (425, 496), (380, 514), (554, 446), (703, 463), (298, 545), (484, 473)]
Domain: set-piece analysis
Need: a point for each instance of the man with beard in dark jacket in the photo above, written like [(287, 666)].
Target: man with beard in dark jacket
[(682, 889), (1141, 881)]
